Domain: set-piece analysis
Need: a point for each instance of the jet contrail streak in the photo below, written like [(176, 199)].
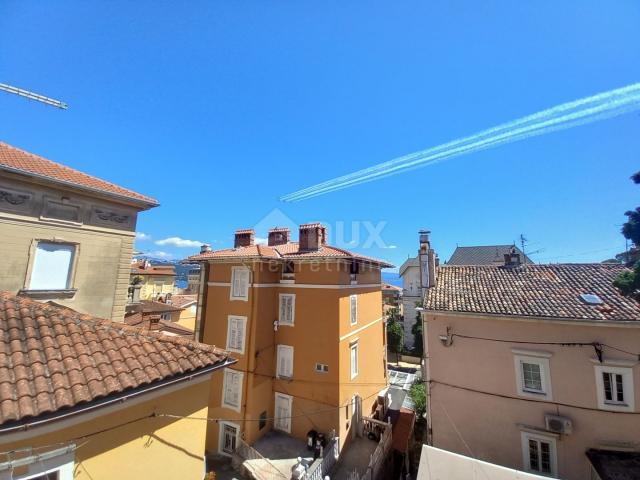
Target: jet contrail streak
[(579, 112)]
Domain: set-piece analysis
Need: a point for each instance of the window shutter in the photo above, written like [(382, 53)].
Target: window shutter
[(233, 334), (354, 309), (285, 361), (283, 310), (236, 389), (244, 283)]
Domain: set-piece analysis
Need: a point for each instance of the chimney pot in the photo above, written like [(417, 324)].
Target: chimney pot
[(312, 236), (244, 238), (278, 236), (205, 248)]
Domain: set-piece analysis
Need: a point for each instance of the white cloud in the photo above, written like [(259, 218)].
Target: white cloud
[(179, 242), (142, 236), (260, 241), (391, 246), (159, 254)]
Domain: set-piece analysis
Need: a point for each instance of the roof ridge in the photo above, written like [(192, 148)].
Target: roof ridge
[(67, 168)]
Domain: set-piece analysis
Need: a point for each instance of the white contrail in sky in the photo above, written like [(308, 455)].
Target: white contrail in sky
[(566, 115)]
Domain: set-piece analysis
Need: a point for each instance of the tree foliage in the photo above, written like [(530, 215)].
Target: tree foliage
[(418, 395), (416, 330), (628, 282), (395, 332)]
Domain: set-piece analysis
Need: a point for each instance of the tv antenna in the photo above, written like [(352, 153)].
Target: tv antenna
[(33, 96)]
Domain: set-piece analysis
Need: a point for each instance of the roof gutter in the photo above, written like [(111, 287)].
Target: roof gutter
[(533, 318), (146, 204), (111, 400)]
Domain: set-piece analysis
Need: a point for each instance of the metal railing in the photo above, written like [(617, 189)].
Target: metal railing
[(259, 467), (322, 466)]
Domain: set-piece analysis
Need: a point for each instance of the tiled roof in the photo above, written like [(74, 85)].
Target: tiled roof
[(182, 301), (534, 290), (138, 268), (53, 359), (289, 251), (615, 465), (20, 161), (482, 255), (151, 306)]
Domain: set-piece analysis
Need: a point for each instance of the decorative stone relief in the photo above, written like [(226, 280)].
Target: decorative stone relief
[(13, 198), (112, 216)]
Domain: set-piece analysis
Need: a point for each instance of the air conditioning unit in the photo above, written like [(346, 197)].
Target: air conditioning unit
[(557, 424)]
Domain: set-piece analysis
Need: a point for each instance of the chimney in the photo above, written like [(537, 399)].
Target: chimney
[(279, 236), (244, 238), (312, 236), (428, 261), (512, 259), (205, 248)]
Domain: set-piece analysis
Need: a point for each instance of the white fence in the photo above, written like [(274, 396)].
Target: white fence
[(376, 461), (259, 467)]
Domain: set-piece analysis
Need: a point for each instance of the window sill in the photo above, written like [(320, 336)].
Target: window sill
[(63, 293)]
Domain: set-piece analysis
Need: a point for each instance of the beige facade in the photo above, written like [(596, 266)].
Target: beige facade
[(486, 375), (83, 240)]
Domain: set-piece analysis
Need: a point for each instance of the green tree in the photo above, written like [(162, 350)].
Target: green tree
[(418, 394), (416, 330), (628, 282), (395, 333)]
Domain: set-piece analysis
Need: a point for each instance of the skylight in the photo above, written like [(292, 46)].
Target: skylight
[(591, 299)]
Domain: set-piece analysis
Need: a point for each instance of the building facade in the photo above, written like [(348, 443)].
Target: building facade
[(125, 412), (411, 296), (546, 356), (305, 321), (155, 280), (66, 236)]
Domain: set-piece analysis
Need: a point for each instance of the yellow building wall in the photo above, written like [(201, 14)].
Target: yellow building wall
[(322, 316), (153, 448), (187, 317), (154, 285)]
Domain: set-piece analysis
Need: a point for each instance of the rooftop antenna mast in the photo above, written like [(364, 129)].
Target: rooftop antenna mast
[(33, 96), (523, 242)]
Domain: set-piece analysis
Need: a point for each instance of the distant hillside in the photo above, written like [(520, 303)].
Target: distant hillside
[(392, 277)]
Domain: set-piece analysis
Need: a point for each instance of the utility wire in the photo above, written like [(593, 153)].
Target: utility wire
[(531, 400), (596, 345)]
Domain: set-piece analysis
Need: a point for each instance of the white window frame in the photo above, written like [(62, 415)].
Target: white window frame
[(321, 368), (221, 436), (627, 388), (69, 285), (234, 272), (282, 321), (537, 358), (553, 453), (63, 463), (228, 372), (354, 346), (281, 351), (353, 318), (288, 398), (230, 319)]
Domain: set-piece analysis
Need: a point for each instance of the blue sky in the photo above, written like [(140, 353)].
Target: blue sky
[(218, 108)]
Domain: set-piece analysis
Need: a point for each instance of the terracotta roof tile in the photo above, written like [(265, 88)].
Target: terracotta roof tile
[(289, 250), (52, 358), (139, 268), (534, 290), (17, 160), (182, 301)]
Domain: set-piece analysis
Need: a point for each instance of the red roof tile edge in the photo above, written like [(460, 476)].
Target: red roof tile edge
[(113, 191)]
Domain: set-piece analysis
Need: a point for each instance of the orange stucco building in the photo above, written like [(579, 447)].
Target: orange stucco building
[(304, 319)]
